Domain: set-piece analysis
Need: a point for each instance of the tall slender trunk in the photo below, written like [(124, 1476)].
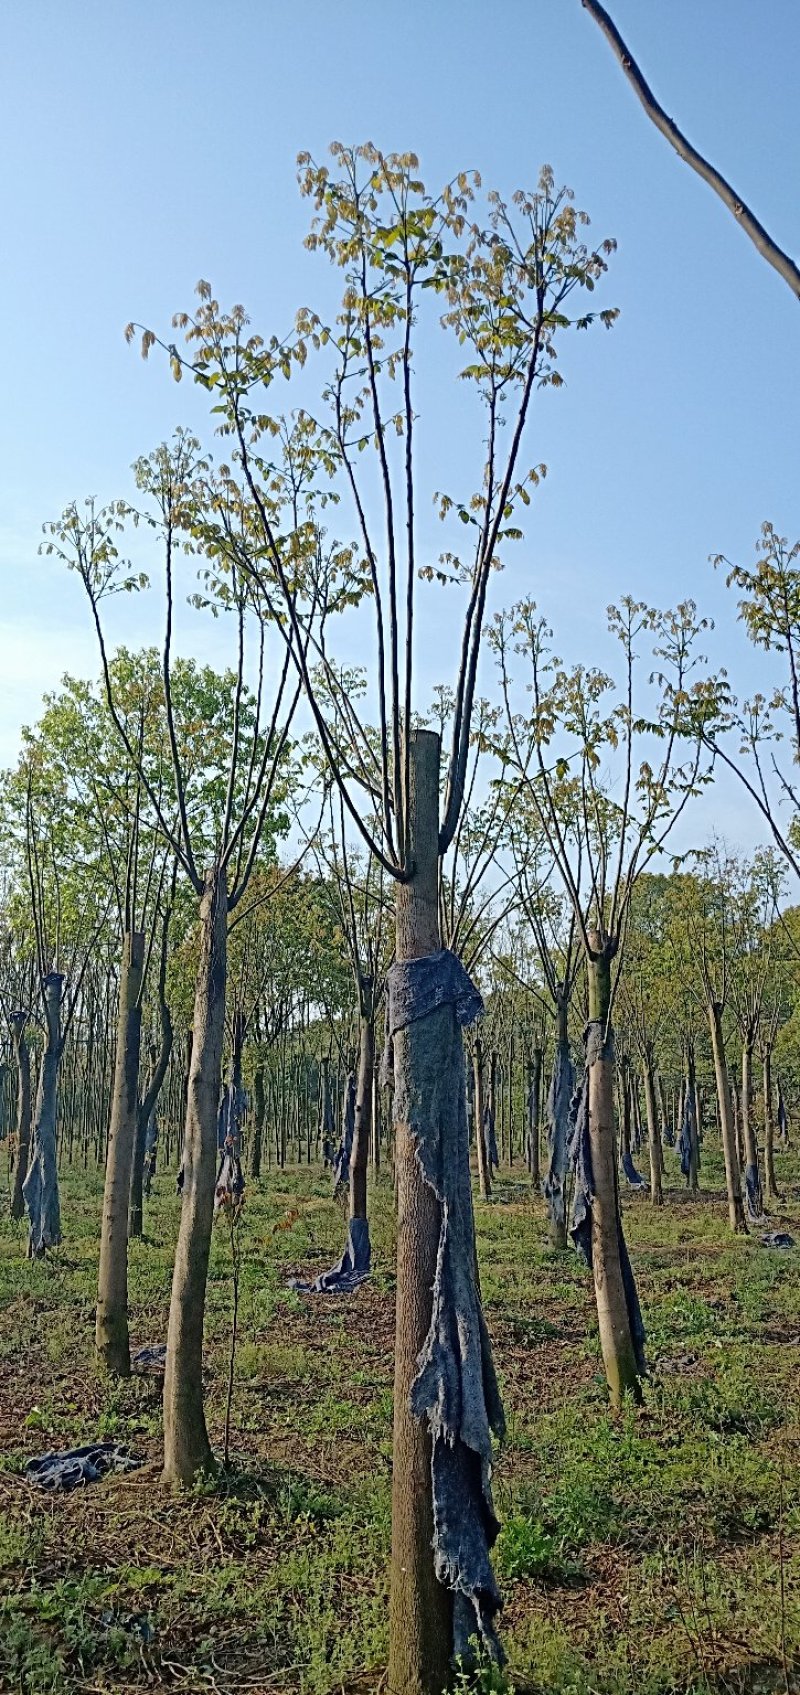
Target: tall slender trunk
[(654, 1139), (363, 1119), (616, 1341), (482, 1152), (733, 1179), (187, 1450), (376, 1121), (111, 1321), (769, 1124), (40, 1188), (420, 1608), (23, 1133), (625, 1102)]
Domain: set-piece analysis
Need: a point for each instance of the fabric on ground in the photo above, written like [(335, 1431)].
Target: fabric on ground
[(562, 1085), (455, 1388), (580, 1154), (147, 1360), (341, 1163), (777, 1239), (631, 1175), (351, 1270), (753, 1198), (75, 1467)]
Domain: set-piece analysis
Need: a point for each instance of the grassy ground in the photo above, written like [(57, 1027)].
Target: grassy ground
[(655, 1552)]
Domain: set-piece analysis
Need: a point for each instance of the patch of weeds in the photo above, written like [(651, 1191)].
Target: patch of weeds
[(525, 1549)]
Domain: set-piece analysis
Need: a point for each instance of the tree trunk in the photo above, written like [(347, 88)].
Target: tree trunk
[(359, 1155), (616, 1340), (111, 1323), (769, 1126), (733, 1180), (187, 1450), (481, 1150), (420, 1608), (654, 1139), (23, 1133), (40, 1188)]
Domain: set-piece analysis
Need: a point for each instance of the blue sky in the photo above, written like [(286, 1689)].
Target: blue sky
[(147, 145)]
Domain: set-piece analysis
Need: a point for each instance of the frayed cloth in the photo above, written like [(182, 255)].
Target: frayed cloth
[(349, 1272), (341, 1163), (455, 1389), (753, 1197), (559, 1097), (150, 1361), (76, 1467), (777, 1239), (490, 1139), (580, 1154), (632, 1177), (687, 1135)]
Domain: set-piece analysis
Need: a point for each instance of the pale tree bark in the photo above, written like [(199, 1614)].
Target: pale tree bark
[(746, 219), (653, 1137), (111, 1323), (481, 1150), (420, 1609), (40, 1188), (187, 1450), (733, 1179), (23, 1127), (616, 1341)]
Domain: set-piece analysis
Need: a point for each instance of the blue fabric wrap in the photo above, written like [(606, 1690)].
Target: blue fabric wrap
[(341, 1164), (777, 1239), (348, 1272), (753, 1198), (687, 1135), (75, 1467), (562, 1085), (580, 1154), (455, 1388), (490, 1138), (631, 1175)]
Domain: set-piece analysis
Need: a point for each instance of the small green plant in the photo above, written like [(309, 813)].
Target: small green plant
[(525, 1549)]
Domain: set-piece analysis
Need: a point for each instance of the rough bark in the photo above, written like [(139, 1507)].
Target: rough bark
[(24, 1107), (362, 1132), (616, 1341), (187, 1450), (653, 1137), (733, 1181), (111, 1321), (420, 1608)]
